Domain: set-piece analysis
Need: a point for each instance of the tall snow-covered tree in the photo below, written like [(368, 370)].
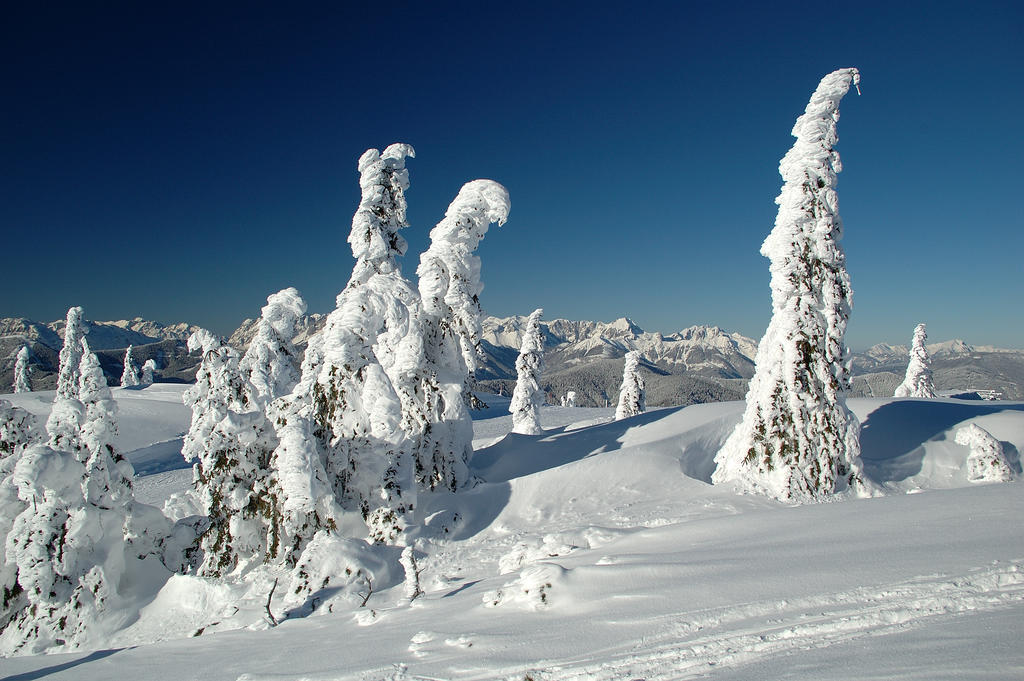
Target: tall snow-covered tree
[(435, 401), (918, 381), (632, 396), (71, 354), (64, 423), (232, 440), (355, 410), (108, 482), (22, 383), (269, 363), (147, 372), (130, 375), (798, 441), (528, 396)]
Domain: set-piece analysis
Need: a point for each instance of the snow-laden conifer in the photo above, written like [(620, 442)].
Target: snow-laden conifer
[(798, 441), (22, 383), (269, 363), (435, 400), (66, 548), (68, 553), (232, 441), (217, 389), (987, 461), (306, 498), (918, 381), (64, 423), (17, 432), (528, 396), (108, 481), (71, 354), (130, 374), (147, 372), (356, 412), (632, 397)]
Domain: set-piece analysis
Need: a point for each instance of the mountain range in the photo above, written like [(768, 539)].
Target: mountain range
[(696, 364)]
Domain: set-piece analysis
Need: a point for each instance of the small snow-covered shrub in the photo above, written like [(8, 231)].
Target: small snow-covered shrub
[(147, 372), (530, 590), (986, 462), (334, 569), (17, 431), (528, 552)]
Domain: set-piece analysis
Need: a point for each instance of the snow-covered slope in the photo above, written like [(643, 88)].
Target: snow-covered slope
[(598, 550)]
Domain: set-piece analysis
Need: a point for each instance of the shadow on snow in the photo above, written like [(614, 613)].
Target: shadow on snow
[(891, 436)]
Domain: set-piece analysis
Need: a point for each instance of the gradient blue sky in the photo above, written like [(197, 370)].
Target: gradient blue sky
[(180, 162)]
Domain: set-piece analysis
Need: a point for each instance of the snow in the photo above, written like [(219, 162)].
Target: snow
[(601, 552)]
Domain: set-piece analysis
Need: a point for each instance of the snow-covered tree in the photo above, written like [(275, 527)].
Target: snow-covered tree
[(71, 354), (65, 551), (269, 363), (435, 402), (68, 555), (130, 375), (356, 412), (632, 397), (73, 534), (147, 372), (232, 441), (306, 498), (22, 383), (987, 461), (527, 396), (918, 381), (411, 585), (17, 431), (64, 423), (108, 482), (798, 441)]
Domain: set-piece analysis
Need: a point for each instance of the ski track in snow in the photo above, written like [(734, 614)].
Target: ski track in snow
[(688, 645)]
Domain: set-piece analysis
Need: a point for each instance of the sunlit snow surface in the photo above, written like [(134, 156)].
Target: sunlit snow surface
[(598, 550)]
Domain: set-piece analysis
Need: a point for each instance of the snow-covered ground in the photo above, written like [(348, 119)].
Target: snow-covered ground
[(599, 550)]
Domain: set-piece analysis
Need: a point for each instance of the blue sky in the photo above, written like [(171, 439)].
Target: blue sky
[(182, 162)]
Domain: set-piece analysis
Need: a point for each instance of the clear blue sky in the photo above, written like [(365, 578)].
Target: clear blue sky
[(182, 161)]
